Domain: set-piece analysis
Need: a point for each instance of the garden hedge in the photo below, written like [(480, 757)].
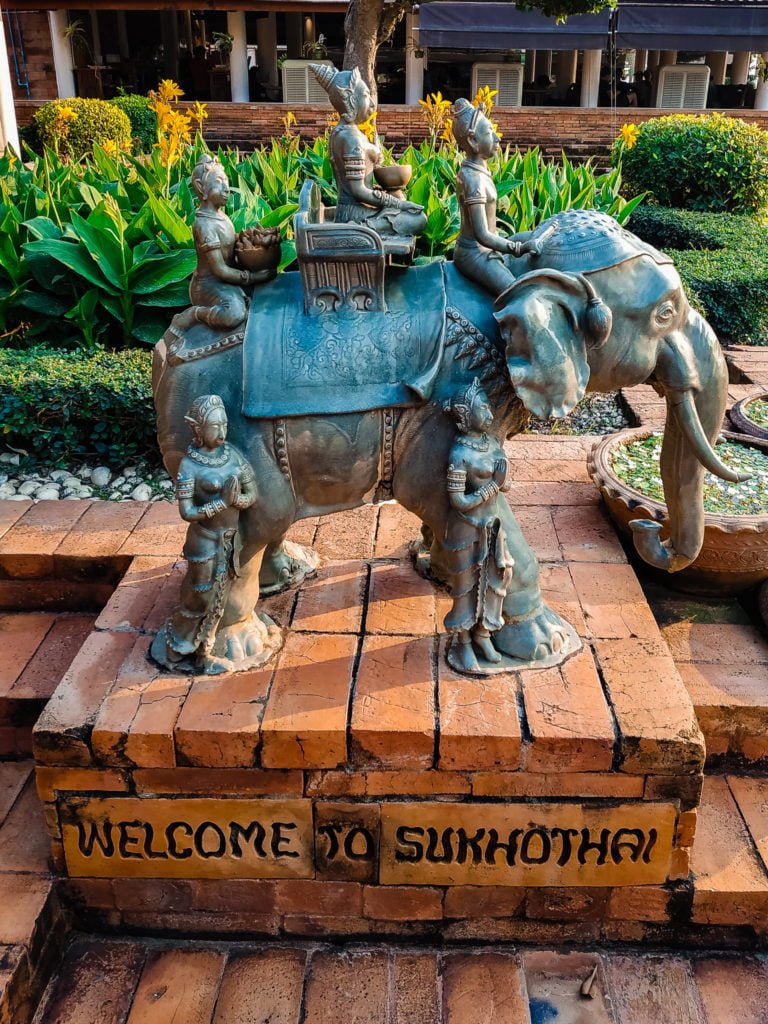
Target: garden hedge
[(66, 407), (94, 121), (723, 261)]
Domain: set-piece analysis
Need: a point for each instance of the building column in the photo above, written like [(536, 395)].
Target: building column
[(717, 62), (169, 32), (529, 71), (266, 52), (414, 66), (590, 77), (543, 63), (667, 58), (98, 56), (238, 57), (62, 55), (566, 65), (740, 68), (9, 131), (641, 60), (293, 35), (189, 34), (761, 96), (123, 45)]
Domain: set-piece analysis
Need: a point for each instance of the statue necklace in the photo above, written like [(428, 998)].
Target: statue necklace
[(480, 445), (476, 167), (209, 460)]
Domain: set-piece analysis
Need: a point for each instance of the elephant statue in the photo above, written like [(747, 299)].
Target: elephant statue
[(339, 406)]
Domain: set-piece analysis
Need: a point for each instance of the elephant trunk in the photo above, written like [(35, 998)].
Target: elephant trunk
[(694, 417)]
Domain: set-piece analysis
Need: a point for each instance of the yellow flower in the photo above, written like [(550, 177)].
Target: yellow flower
[(65, 113), (435, 111), (12, 160), (333, 120), (484, 97), (169, 91), (110, 147), (289, 123), (629, 134), (199, 113), (447, 135), (368, 127)]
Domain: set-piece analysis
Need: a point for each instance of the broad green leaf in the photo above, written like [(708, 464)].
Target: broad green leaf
[(156, 272), (75, 257)]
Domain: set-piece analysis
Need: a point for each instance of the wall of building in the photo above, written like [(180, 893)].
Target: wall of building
[(33, 58)]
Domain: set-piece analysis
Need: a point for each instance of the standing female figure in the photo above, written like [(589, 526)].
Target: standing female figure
[(477, 556), (214, 483)]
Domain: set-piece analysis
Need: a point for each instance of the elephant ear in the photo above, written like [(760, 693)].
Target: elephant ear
[(541, 320)]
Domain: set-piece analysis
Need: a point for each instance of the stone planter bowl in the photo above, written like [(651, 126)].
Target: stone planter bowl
[(740, 417), (734, 555), (393, 176), (265, 251)]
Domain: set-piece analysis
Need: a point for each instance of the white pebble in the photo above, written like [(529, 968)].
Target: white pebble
[(30, 487), (101, 476), (17, 497), (48, 493), (59, 475), (118, 481), (84, 492), (116, 496), (6, 492), (167, 485), (11, 458), (130, 471), (141, 493)]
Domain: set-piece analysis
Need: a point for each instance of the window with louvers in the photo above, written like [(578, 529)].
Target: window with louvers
[(683, 86), (507, 78), (300, 85)]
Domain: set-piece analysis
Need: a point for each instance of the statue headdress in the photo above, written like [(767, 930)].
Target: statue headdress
[(199, 412), (342, 88), (465, 118), (460, 405), (203, 168)]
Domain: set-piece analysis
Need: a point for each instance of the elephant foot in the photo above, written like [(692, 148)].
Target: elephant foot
[(285, 566), (243, 645), (541, 640), (424, 563)]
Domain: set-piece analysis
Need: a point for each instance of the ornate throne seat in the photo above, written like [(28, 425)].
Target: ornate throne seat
[(341, 264)]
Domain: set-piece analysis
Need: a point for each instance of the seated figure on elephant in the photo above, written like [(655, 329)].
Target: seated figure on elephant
[(356, 161), (217, 291), (480, 250)]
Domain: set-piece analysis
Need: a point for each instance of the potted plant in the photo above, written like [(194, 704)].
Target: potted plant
[(734, 555), (223, 42), (750, 415)]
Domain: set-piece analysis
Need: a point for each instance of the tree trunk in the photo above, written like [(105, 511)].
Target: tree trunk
[(368, 24)]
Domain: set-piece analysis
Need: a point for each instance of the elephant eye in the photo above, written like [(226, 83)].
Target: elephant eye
[(665, 313)]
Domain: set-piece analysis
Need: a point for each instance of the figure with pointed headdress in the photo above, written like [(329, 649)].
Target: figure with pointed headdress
[(361, 200), (480, 250), (477, 555)]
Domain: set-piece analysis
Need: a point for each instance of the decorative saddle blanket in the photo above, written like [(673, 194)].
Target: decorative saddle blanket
[(302, 364)]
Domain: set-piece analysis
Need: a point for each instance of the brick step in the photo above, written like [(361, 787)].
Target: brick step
[(238, 983), (748, 364), (33, 927), (37, 649)]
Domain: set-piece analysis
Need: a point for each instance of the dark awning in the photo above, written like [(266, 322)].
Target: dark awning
[(692, 27), (489, 26)]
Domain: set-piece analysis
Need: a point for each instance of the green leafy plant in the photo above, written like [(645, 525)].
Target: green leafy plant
[(699, 162), (143, 120), (66, 406), (723, 263), (561, 10), (73, 127)]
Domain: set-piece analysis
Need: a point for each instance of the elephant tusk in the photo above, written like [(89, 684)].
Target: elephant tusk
[(653, 550), (690, 426)]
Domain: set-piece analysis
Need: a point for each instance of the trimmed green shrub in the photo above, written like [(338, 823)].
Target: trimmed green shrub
[(63, 406), (723, 261), (698, 162), (94, 121), (143, 120)]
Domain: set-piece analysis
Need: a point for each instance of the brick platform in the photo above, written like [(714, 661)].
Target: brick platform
[(360, 711), (748, 364)]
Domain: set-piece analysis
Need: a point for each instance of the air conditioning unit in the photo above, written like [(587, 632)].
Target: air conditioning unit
[(507, 78), (300, 85), (684, 86)]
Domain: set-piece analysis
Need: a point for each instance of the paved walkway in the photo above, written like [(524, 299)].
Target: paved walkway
[(136, 982)]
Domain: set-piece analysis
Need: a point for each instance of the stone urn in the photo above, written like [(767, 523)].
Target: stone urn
[(734, 555), (740, 417)]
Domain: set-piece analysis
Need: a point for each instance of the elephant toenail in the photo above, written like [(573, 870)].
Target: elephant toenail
[(541, 652)]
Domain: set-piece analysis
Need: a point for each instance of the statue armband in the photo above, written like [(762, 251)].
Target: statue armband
[(213, 508), (354, 166), (185, 487), (457, 479)]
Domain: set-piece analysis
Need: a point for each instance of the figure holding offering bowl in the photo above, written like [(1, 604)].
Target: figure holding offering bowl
[(368, 192)]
